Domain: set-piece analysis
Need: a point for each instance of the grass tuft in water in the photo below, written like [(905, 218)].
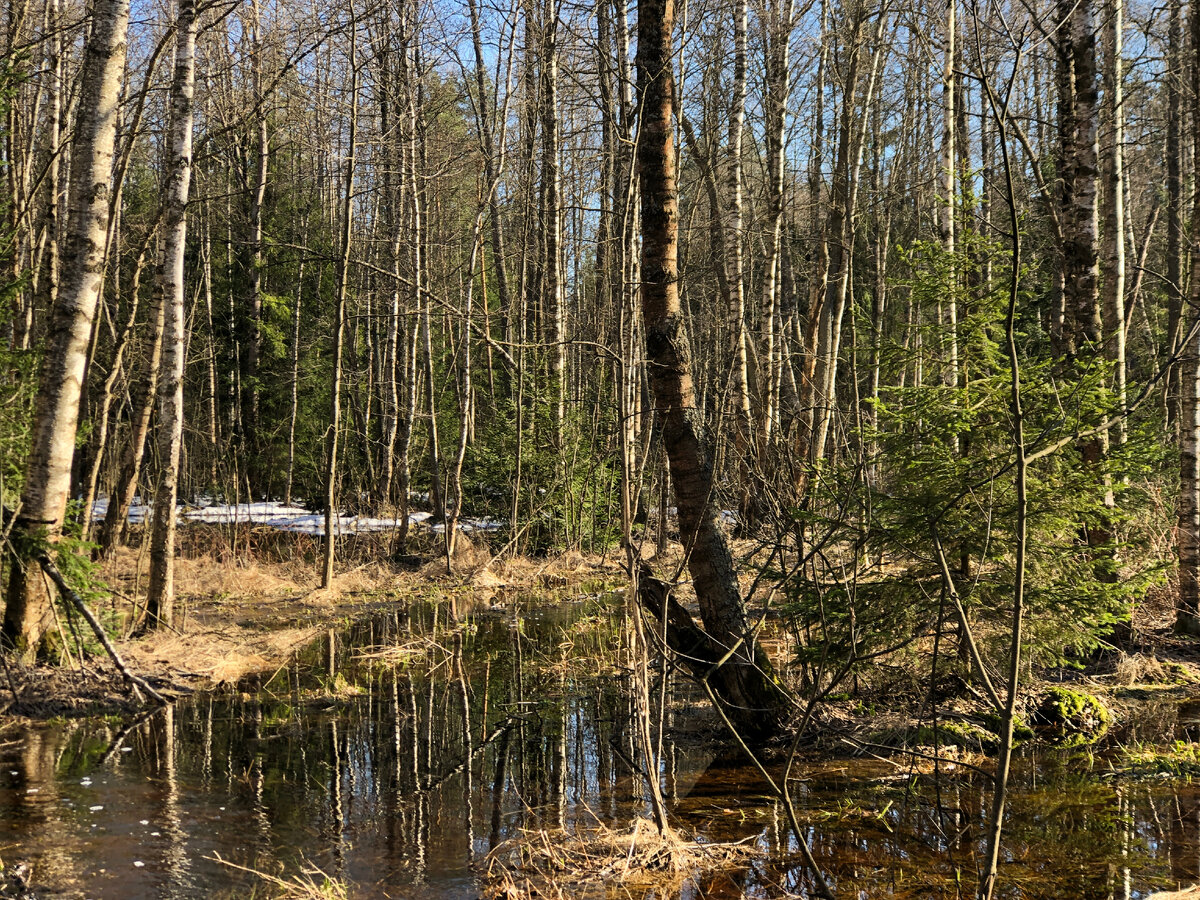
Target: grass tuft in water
[(545, 863), (310, 884)]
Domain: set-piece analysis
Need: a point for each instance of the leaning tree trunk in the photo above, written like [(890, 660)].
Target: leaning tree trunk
[(160, 598), (737, 669), (48, 468)]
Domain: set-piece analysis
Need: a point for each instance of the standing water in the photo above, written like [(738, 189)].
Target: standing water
[(395, 755)]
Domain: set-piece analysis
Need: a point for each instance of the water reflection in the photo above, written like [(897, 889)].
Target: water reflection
[(397, 754)]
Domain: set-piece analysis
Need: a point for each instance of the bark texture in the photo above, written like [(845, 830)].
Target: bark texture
[(48, 469), (160, 598), (1187, 609), (743, 681)]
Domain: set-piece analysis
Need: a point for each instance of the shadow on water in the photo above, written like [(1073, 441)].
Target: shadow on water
[(395, 754)]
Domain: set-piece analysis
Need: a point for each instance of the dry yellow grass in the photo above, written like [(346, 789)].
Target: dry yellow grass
[(544, 864)]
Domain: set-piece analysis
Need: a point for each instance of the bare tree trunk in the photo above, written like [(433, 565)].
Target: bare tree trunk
[(493, 166), (949, 163), (1176, 72), (735, 278), (1114, 205), (295, 385), (53, 223), (744, 682), (466, 392), (841, 229), (555, 310), (778, 87), (251, 439), (48, 468), (339, 327), (1187, 608), (1081, 225), (160, 598)]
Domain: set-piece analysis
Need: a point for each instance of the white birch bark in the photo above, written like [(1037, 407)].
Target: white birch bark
[(735, 300), (1187, 607), (1114, 207), (339, 328), (160, 598), (778, 88), (48, 468), (949, 190)]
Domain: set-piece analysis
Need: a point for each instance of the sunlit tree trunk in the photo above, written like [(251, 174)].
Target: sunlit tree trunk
[(116, 370), (160, 597), (493, 145), (555, 311), (48, 468), (1114, 203), (735, 278), (339, 325), (1187, 609), (1176, 72), (744, 681), (251, 438), (840, 232), (949, 162), (778, 28)]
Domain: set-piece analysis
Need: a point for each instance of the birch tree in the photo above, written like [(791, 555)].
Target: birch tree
[(160, 598), (48, 468)]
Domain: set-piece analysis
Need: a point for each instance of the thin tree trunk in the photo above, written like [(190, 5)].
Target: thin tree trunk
[(1187, 608), (555, 311), (735, 279), (949, 190), (1114, 206), (251, 437), (295, 380), (339, 326), (160, 598), (778, 87), (466, 392), (108, 391), (1175, 74), (116, 519)]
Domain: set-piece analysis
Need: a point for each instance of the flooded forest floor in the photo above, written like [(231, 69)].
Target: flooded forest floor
[(420, 734)]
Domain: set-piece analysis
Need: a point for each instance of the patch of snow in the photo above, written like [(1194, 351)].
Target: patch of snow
[(291, 518)]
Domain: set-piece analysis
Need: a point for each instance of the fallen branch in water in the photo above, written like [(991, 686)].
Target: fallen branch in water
[(136, 682)]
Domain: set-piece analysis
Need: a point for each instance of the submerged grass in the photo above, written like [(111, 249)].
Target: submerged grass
[(1179, 761)]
